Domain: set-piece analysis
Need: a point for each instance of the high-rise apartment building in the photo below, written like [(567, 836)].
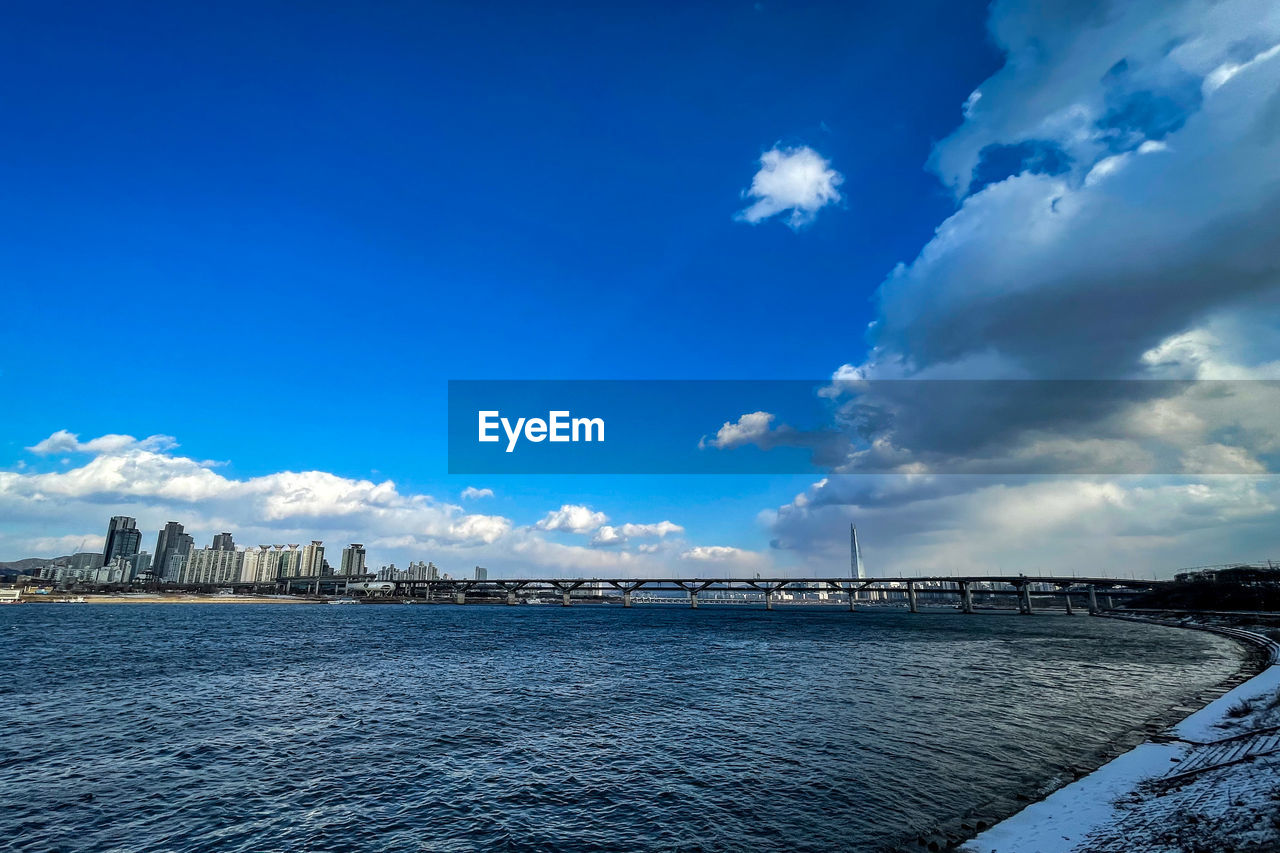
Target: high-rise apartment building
[(122, 535), (223, 542), (353, 557), (212, 566), (312, 559), (168, 543), (269, 563)]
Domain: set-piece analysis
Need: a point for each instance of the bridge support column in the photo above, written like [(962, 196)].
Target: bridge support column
[(1024, 600), (768, 600), (1106, 602), (911, 597), (966, 597), (1067, 596), (564, 601), (1093, 601), (852, 599), (693, 599), (626, 598), (511, 596), (459, 598)]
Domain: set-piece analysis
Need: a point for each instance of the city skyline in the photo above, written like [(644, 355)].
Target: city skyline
[(1033, 193)]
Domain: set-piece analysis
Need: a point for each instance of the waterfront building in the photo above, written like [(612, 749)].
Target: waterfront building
[(353, 557), (482, 574), (223, 542), (269, 563), (79, 565), (170, 541), (119, 570), (141, 565), (312, 559), (123, 539), (212, 566)]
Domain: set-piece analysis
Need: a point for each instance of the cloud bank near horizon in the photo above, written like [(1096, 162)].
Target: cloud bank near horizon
[(1118, 206), (146, 478)]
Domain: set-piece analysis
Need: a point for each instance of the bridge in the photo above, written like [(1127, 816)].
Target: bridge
[(1028, 592)]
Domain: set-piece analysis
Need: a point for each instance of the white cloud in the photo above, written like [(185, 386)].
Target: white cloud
[(573, 518), (959, 525), (471, 493), (610, 535), (713, 553), (63, 441), (748, 429), (794, 181), (1117, 187)]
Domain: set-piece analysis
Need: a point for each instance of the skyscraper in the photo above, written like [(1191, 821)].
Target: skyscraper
[(120, 524), (223, 542), (167, 544), (855, 555), (353, 559)]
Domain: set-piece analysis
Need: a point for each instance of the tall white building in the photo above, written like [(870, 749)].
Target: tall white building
[(312, 559), (213, 566), (267, 563)]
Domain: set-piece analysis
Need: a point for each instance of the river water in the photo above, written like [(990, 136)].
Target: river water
[(442, 728)]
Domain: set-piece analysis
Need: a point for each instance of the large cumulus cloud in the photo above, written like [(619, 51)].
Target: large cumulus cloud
[(1118, 208)]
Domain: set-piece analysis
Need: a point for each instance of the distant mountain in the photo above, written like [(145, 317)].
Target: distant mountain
[(23, 567)]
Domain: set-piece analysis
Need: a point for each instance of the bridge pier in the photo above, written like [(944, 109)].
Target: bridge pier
[(511, 596), (768, 600), (1067, 596), (693, 599), (1024, 600), (1093, 601), (852, 598), (911, 597), (966, 597), (459, 598), (564, 601), (626, 598)]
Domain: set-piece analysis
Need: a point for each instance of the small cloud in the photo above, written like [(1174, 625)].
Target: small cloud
[(573, 518), (611, 535), (795, 181), (713, 553), (750, 428), (471, 493), (608, 535), (64, 441)]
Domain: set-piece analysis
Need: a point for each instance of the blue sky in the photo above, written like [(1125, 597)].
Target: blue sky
[(274, 232)]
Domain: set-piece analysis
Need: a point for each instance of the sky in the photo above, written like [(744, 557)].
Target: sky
[(248, 246)]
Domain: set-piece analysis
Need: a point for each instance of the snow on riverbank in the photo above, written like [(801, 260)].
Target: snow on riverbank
[(1121, 807)]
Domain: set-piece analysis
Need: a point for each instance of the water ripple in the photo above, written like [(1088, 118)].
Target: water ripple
[(225, 728)]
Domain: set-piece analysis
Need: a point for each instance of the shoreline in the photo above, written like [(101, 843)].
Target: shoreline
[(177, 599), (1123, 786)]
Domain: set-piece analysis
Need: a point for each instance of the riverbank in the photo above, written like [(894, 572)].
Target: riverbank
[(177, 599), (1209, 783)]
